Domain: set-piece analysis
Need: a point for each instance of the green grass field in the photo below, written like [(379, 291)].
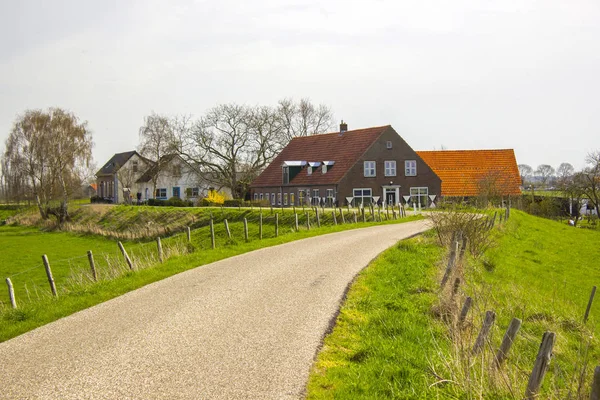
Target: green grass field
[(23, 247), (388, 339)]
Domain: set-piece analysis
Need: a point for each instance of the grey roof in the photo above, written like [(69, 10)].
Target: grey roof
[(115, 163)]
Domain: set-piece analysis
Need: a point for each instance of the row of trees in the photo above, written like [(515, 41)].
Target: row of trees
[(48, 154), (574, 184), (231, 143)]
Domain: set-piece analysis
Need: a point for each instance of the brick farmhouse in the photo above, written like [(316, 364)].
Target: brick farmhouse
[(356, 165)]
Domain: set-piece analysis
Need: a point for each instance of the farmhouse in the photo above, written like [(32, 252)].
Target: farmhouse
[(356, 166), (120, 172), (469, 173)]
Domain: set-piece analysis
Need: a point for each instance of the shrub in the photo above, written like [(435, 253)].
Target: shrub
[(233, 203), (216, 197)]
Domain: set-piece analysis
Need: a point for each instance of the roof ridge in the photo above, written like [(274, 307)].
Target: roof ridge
[(338, 132)]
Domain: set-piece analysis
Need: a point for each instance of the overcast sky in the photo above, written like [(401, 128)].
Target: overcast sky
[(459, 74)]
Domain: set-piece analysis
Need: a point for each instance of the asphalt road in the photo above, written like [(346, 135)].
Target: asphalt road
[(247, 327)]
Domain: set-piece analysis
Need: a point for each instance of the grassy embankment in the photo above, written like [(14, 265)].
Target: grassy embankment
[(388, 341), (20, 257)]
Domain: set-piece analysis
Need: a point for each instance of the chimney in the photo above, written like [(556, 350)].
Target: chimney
[(343, 127)]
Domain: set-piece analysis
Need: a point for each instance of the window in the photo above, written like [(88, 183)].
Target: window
[(196, 192), (362, 196), (390, 168), (177, 170), (255, 196), (309, 170), (388, 144), (300, 196), (330, 197), (292, 198), (418, 195), (316, 198), (272, 198), (134, 165), (285, 199), (260, 196), (161, 193), (324, 168), (176, 192), (279, 198), (410, 168), (286, 175), (369, 168)]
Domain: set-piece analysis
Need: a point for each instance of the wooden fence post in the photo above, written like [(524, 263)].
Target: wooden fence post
[(49, 275), (451, 263), (92, 265), (355, 217), (334, 218), (212, 233), (456, 286), (307, 221), (363, 215), (589, 306), (488, 322), (227, 228), (317, 216), (246, 228), (296, 219), (189, 234), (127, 259), (595, 392), (342, 214), (507, 341), (540, 367), (465, 310), (159, 247), (276, 224), (11, 293), (260, 226)]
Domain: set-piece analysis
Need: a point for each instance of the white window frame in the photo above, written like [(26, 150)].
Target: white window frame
[(388, 144), (292, 199), (285, 199), (255, 196), (309, 170), (410, 168), (370, 169), (417, 192), (260, 196), (196, 192), (161, 191), (390, 167), (279, 198), (362, 196), (316, 193), (273, 199)]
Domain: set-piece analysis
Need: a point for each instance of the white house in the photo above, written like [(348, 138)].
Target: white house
[(119, 173)]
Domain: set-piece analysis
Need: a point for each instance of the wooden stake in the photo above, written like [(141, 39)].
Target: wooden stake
[(595, 392), (92, 265), (589, 306), (334, 218), (276, 224), (49, 275), (342, 214), (127, 259), (296, 218), (488, 322), (260, 226), (540, 367), (11, 293), (212, 233), (159, 247), (456, 287), (465, 310), (507, 341), (355, 217), (189, 234), (307, 221), (317, 215), (227, 228), (246, 229)]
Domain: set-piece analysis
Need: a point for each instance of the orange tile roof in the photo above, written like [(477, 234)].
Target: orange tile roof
[(462, 171), (344, 150)]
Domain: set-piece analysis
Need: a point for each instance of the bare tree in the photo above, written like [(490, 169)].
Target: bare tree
[(156, 137), (545, 172), (304, 118), (564, 175), (48, 148), (589, 178), (525, 171)]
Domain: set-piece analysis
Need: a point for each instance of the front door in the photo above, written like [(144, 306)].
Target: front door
[(390, 197), (176, 192)]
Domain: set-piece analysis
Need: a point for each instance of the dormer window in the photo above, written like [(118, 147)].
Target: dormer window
[(309, 170), (311, 165), (327, 166), (324, 168), (286, 175)]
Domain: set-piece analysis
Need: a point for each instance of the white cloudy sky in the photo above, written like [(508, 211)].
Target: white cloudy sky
[(463, 74)]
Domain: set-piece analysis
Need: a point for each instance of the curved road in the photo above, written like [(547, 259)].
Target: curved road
[(244, 327)]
